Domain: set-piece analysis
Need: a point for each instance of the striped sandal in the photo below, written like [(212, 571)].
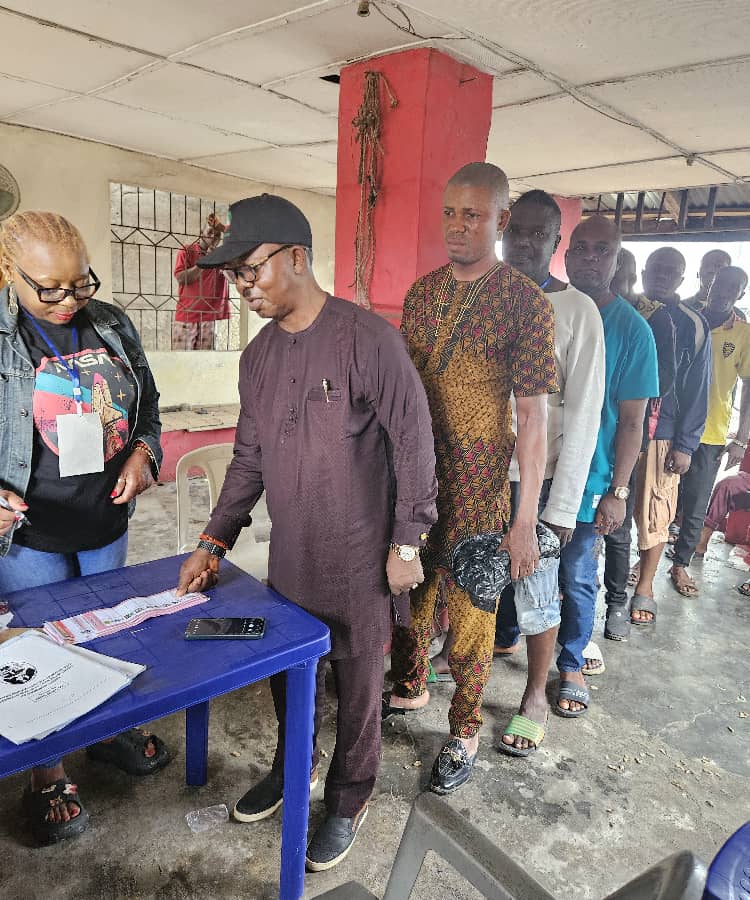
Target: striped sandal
[(520, 726)]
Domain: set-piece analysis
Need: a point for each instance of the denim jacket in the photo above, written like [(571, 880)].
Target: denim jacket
[(17, 378)]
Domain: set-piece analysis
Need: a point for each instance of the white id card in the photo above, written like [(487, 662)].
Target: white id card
[(80, 440)]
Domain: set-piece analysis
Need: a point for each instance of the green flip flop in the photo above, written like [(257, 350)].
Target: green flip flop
[(520, 726)]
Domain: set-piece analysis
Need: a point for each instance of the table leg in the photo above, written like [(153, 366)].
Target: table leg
[(300, 709), (196, 743)]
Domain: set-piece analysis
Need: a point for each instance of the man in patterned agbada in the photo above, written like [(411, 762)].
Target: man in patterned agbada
[(476, 330)]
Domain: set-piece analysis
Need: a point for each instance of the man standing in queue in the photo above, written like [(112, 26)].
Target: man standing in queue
[(476, 330), (334, 425)]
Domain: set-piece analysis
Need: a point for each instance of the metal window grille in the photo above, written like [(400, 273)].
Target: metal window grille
[(149, 227)]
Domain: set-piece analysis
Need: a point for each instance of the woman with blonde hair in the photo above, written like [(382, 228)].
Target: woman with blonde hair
[(80, 439)]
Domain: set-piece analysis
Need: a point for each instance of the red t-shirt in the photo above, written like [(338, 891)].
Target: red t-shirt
[(207, 298)]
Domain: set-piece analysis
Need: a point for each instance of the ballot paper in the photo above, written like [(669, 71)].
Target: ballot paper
[(45, 686), (102, 622)]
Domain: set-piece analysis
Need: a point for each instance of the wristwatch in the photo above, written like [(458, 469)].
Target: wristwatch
[(622, 493), (213, 549), (405, 552)]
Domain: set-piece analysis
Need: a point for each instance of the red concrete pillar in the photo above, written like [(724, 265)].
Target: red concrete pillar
[(571, 215), (441, 123)]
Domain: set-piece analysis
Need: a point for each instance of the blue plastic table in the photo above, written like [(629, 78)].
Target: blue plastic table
[(187, 674)]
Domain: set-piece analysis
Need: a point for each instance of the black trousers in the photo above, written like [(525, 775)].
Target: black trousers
[(617, 555), (696, 486), (356, 756)]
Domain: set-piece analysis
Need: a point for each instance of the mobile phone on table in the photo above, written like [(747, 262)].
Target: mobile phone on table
[(225, 629)]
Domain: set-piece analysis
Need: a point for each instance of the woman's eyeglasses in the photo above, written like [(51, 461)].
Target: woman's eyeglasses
[(58, 294)]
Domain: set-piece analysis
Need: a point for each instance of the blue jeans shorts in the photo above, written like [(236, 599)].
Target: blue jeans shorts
[(537, 599)]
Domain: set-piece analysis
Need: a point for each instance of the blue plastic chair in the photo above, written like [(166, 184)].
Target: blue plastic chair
[(729, 873)]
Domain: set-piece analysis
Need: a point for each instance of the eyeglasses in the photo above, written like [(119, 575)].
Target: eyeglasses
[(249, 272), (57, 295)]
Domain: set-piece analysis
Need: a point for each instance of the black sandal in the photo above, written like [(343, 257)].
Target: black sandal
[(37, 805), (128, 752)]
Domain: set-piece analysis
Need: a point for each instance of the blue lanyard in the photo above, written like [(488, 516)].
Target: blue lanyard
[(72, 370), (546, 281)]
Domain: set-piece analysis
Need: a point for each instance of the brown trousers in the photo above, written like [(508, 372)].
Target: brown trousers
[(356, 756)]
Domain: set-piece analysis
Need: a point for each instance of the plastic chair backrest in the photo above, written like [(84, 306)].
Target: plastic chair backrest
[(213, 460)]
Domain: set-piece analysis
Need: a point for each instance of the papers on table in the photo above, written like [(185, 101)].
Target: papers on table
[(44, 686), (101, 622)]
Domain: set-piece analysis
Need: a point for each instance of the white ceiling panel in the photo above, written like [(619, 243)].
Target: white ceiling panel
[(161, 27), (653, 175), (67, 61), (109, 123), (16, 95), (518, 87), (284, 167), (316, 42), (312, 90), (590, 40), (557, 134), (736, 161), (691, 108), (327, 151), (220, 102)]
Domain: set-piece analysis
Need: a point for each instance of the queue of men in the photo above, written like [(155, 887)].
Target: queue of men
[(514, 406)]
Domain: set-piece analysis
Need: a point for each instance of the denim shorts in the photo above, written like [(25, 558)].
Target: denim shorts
[(537, 598)]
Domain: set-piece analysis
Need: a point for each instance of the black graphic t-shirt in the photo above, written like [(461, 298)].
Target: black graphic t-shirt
[(75, 513)]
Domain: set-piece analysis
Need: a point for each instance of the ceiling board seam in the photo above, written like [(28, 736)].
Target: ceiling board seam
[(615, 165), (672, 70), (268, 145), (95, 39), (308, 11)]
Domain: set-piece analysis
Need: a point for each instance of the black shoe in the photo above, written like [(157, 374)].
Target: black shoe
[(265, 798), (452, 768), (333, 839), (617, 624)]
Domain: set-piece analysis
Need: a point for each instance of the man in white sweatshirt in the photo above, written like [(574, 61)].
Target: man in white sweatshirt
[(572, 426)]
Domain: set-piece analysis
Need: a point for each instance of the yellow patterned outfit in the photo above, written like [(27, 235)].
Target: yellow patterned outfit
[(472, 343)]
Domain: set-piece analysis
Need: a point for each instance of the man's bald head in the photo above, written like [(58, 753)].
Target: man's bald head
[(486, 176), (600, 227), (591, 259), (663, 274)]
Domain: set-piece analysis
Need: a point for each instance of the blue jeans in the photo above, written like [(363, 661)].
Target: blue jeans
[(26, 568), (542, 612), (579, 561)]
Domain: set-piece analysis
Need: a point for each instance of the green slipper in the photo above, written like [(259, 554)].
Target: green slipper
[(520, 726)]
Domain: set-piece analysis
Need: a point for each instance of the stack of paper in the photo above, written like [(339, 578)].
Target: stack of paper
[(44, 686), (98, 623)]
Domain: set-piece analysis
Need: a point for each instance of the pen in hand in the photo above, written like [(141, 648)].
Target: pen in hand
[(20, 517)]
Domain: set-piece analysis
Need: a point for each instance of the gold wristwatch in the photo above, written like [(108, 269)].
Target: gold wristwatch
[(622, 493), (405, 552)]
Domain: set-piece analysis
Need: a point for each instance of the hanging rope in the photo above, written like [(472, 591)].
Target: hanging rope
[(368, 124)]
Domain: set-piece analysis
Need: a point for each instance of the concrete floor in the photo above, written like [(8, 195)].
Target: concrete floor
[(661, 762)]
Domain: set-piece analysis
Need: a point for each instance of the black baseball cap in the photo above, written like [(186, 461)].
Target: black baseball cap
[(266, 219)]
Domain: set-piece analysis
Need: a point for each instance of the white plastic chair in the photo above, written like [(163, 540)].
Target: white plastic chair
[(250, 553)]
